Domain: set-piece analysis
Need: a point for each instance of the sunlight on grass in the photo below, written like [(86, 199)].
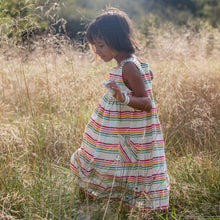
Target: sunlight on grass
[(47, 99)]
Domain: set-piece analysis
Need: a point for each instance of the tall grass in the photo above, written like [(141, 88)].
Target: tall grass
[(47, 97)]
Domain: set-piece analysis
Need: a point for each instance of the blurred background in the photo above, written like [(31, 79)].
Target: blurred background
[(71, 16)]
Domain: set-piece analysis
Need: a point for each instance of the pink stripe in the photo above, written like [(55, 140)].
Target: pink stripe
[(84, 152), (162, 192), (109, 145), (107, 128), (98, 143), (118, 162), (127, 159), (137, 112), (116, 76), (137, 178)]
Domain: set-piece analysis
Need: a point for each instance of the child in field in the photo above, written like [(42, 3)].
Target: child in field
[(122, 152)]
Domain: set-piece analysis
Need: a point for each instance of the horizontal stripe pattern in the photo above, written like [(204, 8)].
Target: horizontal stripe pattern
[(122, 152)]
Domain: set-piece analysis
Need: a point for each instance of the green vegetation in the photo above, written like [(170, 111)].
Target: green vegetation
[(72, 16), (17, 17)]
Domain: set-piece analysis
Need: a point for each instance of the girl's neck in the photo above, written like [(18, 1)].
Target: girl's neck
[(122, 56)]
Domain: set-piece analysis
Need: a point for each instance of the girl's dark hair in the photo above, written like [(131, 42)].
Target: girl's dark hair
[(115, 28)]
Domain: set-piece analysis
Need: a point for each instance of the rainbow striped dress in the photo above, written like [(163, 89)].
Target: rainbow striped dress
[(122, 153)]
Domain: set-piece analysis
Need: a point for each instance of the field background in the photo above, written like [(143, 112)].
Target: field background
[(50, 85)]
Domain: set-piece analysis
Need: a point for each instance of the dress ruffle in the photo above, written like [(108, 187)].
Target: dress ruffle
[(122, 152)]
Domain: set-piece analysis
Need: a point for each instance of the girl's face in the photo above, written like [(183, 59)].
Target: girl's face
[(105, 52)]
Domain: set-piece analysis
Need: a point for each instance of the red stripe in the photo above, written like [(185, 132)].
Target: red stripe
[(118, 162), (107, 176), (135, 112), (109, 145), (107, 128), (116, 76), (127, 159)]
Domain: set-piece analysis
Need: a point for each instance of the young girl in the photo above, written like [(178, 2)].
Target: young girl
[(122, 152)]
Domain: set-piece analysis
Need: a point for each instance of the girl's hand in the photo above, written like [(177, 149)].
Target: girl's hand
[(118, 94)]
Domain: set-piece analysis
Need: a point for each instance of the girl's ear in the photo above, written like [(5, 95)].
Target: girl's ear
[(92, 46)]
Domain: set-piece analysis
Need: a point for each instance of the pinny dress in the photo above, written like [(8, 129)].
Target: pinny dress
[(122, 152)]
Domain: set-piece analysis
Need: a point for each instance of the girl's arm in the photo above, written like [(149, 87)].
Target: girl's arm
[(134, 81)]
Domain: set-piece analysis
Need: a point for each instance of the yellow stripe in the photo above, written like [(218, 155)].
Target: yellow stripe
[(127, 164), (112, 131)]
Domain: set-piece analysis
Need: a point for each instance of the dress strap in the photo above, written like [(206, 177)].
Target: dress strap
[(134, 60), (130, 59)]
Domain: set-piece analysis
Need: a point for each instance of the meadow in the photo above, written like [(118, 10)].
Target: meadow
[(48, 92)]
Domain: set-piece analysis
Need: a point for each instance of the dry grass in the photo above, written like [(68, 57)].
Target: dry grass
[(48, 97)]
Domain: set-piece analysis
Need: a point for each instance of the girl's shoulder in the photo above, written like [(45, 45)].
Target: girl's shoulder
[(132, 59), (139, 63)]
